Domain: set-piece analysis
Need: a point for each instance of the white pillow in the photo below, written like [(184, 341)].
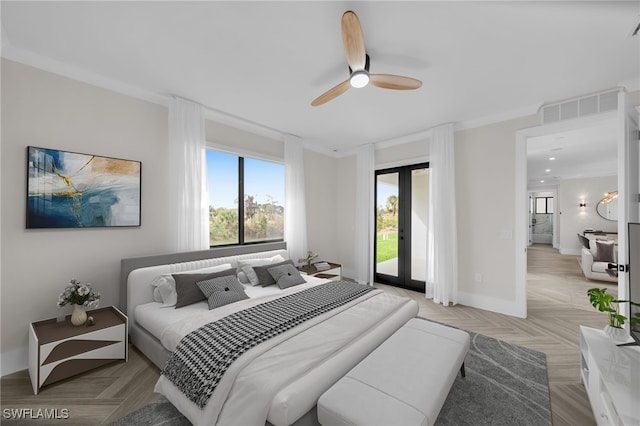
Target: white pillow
[(166, 285), (242, 276)]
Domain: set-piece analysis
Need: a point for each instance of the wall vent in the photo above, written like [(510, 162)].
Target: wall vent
[(579, 107)]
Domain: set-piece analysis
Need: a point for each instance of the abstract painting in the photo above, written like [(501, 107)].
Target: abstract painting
[(72, 190)]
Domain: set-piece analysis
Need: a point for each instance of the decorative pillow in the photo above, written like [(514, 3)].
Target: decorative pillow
[(167, 290), (250, 274), (604, 252), (584, 241), (222, 291), (256, 262), (165, 286), (156, 294), (188, 291), (264, 277), (286, 276)]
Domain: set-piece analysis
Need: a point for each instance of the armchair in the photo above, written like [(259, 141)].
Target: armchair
[(595, 260)]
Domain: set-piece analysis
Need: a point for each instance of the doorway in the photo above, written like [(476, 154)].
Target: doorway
[(542, 217), (400, 248), (625, 122)]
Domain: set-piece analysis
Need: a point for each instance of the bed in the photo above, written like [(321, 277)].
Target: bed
[(276, 382)]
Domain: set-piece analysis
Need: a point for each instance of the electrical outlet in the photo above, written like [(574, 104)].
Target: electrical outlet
[(478, 277)]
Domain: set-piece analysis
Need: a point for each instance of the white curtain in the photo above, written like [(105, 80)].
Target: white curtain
[(295, 216), (188, 195), (364, 220), (442, 246)]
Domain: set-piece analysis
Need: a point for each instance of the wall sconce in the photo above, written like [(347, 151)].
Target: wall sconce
[(583, 204)]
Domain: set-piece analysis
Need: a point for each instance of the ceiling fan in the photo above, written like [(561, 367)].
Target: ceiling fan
[(358, 61)]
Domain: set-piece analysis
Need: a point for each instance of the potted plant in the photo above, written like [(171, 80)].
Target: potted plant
[(604, 302), (310, 256)]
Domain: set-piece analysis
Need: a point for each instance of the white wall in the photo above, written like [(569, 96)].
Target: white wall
[(345, 213), (322, 211), (46, 110), (575, 219), (485, 170), (243, 142)]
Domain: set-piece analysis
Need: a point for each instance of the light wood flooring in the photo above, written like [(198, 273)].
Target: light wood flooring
[(557, 306)]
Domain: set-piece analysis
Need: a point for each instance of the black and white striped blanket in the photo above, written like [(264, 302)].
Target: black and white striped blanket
[(202, 357)]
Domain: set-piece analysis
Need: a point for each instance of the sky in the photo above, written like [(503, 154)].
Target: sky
[(262, 178)]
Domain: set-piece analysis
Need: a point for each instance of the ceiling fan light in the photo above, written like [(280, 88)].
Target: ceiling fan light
[(359, 79)]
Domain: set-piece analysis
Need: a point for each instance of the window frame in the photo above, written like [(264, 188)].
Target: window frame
[(546, 205), (241, 193)]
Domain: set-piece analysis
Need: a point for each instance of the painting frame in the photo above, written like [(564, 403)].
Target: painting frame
[(67, 189)]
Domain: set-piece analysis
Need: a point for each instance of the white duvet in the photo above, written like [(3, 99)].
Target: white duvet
[(281, 379)]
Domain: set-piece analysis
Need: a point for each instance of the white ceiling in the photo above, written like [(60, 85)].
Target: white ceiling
[(264, 62), (581, 153)]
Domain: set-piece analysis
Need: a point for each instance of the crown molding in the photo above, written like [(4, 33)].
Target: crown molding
[(54, 66), (71, 71)]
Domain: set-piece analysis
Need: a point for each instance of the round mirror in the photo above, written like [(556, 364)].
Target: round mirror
[(607, 208)]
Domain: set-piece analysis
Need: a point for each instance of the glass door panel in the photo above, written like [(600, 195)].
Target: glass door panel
[(387, 203), (419, 215)]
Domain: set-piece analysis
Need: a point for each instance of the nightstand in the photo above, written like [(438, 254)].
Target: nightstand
[(334, 272), (58, 350)]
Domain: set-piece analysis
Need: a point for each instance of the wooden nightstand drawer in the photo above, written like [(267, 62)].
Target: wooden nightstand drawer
[(334, 272), (58, 350)]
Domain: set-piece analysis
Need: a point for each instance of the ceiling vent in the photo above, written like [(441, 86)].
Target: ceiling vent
[(579, 107)]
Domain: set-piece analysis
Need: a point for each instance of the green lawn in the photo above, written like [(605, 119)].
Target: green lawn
[(386, 249)]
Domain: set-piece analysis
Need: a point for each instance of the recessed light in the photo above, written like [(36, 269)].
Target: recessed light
[(541, 181), (552, 158), (547, 170)]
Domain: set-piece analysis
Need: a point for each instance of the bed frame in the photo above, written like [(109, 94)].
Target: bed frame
[(135, 289), (141, 270)]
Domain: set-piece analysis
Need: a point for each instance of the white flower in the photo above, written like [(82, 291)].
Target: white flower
[(76, 293)]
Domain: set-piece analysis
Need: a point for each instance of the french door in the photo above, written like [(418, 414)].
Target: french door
[(402, 201)]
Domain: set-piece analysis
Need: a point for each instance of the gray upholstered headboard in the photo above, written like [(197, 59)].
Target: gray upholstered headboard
[(128, 265)]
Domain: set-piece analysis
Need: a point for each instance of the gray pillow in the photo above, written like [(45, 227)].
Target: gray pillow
[(604, 252), (286, 276), (264, 277), (187, 290), (222, 291)]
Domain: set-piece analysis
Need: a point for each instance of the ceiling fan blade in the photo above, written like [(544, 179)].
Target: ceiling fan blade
[(353, 41), (397, 82), (332, 93)]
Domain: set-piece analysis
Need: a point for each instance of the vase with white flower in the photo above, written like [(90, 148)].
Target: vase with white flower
[(82, 297)]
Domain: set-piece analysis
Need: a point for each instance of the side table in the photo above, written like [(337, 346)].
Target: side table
[(58, 350), (334, 271)]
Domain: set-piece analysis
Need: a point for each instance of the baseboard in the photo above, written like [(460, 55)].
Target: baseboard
[(13, 361), (492, 304)]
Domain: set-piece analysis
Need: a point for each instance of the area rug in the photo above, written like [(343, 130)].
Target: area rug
[(505, 384)]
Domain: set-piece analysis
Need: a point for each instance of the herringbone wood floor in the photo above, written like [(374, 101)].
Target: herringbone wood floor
[(557, 305)]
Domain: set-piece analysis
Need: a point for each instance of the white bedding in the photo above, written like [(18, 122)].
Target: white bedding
[(156, 317), (295, 367)]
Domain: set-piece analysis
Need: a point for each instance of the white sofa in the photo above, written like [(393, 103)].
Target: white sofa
[(597, 269)]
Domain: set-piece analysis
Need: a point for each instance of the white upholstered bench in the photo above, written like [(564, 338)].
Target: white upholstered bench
[(404, 381)]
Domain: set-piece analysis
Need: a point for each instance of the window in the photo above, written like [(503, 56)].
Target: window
[(260, 184), (544, 205)]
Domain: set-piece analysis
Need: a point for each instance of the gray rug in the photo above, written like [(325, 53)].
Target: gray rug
[(505, 385)]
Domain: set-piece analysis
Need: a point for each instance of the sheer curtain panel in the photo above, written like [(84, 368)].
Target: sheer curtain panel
[(442, 246), (189, 203), (364, 220), (295, 207)]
